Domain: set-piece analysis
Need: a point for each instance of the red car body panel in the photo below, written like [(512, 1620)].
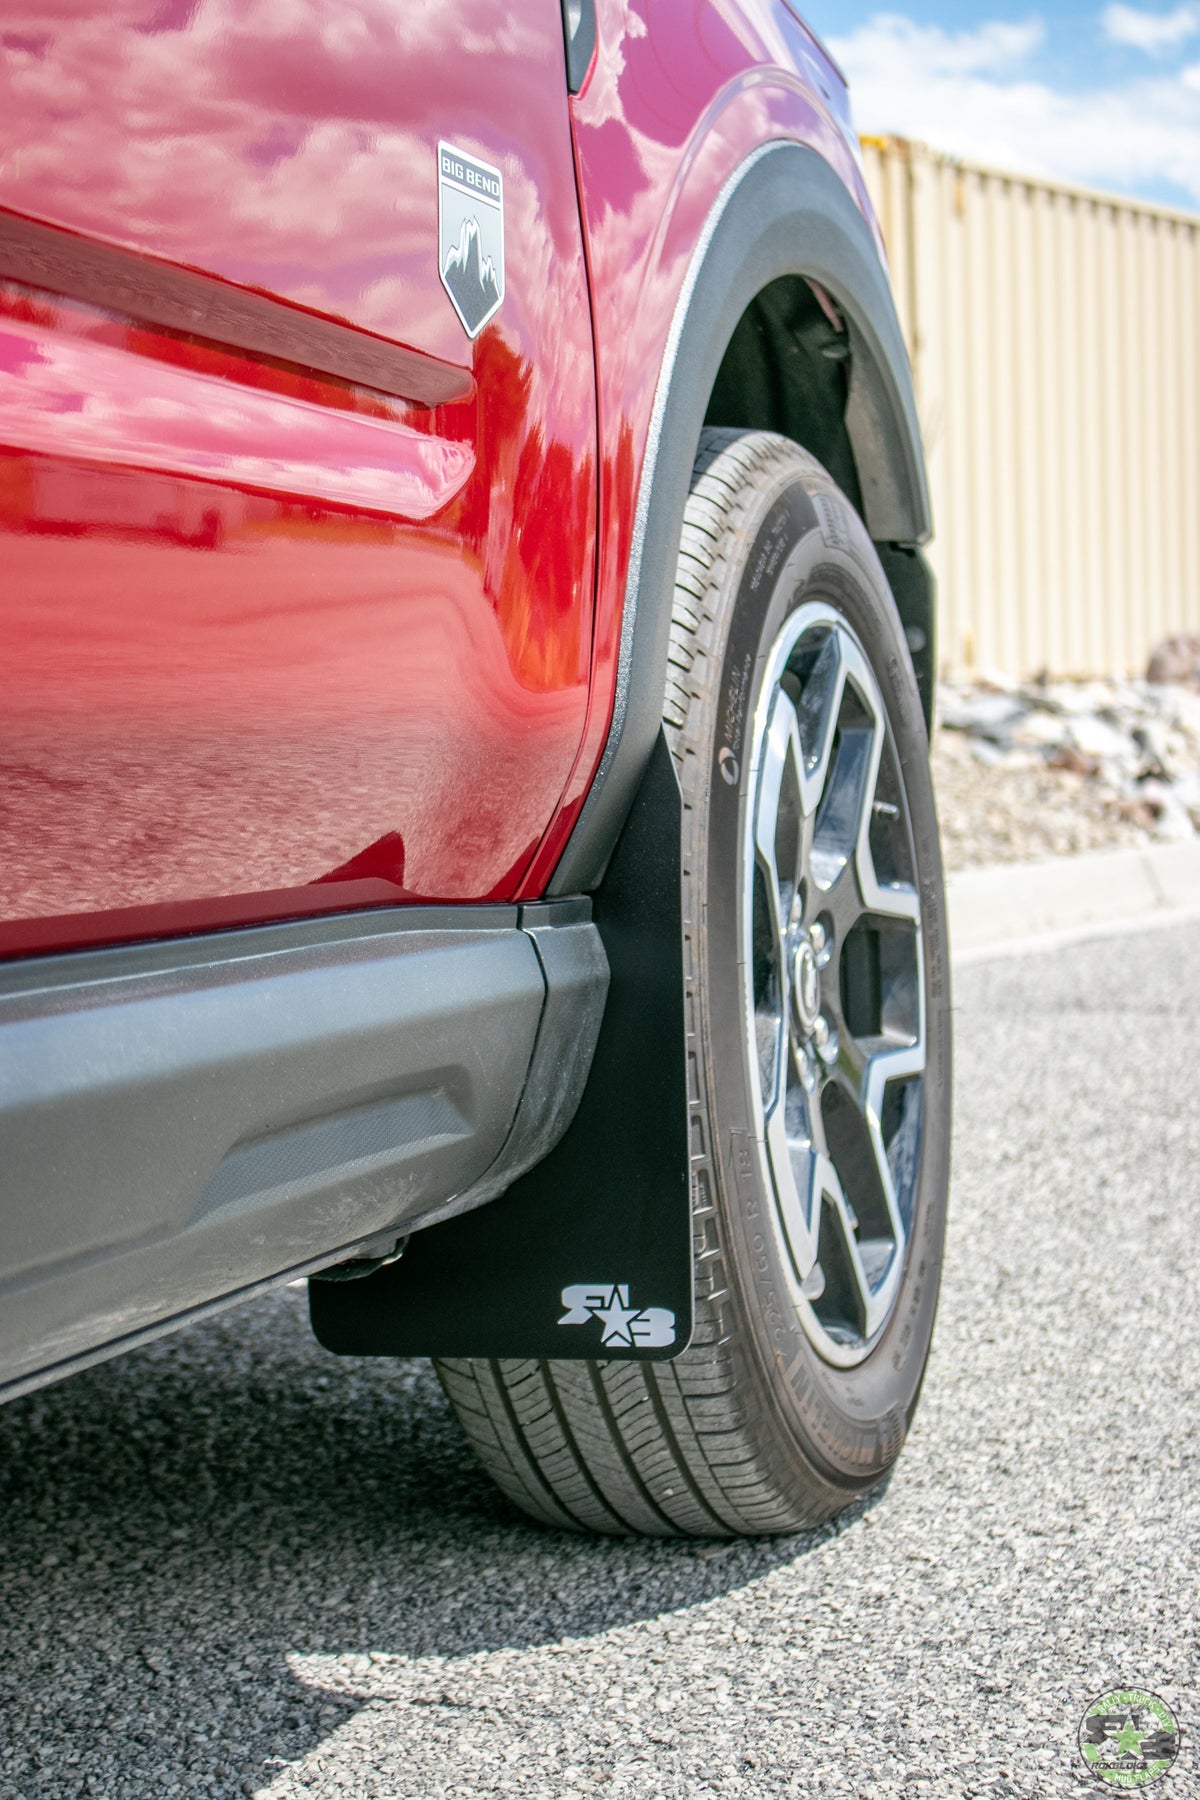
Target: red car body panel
[(275, 642), (680, 93), (278, 640)]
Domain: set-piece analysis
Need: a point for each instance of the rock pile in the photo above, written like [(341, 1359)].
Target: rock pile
[(1177, 658), (1050, 767)]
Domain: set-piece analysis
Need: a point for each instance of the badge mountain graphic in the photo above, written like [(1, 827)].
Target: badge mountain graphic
[(471, 278), (470, 236)]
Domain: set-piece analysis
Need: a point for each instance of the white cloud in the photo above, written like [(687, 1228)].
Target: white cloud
[(975, 94), (996, 44), (1152, 32)]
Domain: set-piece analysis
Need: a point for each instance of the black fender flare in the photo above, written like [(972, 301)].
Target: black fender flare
[(784, 211)]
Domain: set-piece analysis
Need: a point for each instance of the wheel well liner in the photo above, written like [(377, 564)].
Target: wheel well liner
[(784, 213), (787, 368)]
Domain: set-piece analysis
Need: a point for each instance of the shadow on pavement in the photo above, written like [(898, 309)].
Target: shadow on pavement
[(185, 1524)]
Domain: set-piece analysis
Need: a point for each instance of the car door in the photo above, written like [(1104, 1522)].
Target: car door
[(297, 438), (297, 450)]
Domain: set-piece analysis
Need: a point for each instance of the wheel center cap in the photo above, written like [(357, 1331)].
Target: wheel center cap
[(806, 987)]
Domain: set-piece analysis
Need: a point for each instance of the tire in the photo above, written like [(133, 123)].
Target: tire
[(793, 714)]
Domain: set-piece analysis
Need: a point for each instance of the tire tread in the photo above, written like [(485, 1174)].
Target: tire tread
[(663, 1448)]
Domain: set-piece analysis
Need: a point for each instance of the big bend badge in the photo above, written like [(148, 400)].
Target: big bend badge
[(470, 235)]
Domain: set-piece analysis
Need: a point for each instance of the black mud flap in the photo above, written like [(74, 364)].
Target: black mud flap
[(590, 1254)]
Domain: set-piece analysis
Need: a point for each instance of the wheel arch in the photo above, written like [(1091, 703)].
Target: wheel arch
[(784, 226)]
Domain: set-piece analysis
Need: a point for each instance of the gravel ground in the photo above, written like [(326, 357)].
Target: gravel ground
[(235, 1565), (1030, 770), (1021, 811)]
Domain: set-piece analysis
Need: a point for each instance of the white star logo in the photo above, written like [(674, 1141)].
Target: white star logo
[(616, 1317), (647, 1328)]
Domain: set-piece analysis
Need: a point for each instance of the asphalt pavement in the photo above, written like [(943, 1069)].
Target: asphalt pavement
[(234, 1565)]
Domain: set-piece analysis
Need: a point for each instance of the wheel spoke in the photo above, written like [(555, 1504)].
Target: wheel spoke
[(896, 900), (797, 1202), (778, 781), (850, 768), (842, 897), (889, 899), (885, 1066), (840, 1215), (817, 717), (776, 817)]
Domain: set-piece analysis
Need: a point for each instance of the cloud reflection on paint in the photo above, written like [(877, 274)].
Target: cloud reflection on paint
[(241, 682)]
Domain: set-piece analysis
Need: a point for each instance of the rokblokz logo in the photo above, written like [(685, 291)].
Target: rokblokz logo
[(624, 1326), (1128, 1738)]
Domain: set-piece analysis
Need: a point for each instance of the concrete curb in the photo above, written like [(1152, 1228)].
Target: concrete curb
[(1012, 906)]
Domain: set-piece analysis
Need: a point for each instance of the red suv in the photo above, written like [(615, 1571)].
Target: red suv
[(466, 834)]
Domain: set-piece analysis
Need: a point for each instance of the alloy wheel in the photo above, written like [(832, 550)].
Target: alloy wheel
[(833, 982)]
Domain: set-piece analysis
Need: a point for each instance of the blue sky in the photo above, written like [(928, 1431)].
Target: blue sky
[(1107, 95)]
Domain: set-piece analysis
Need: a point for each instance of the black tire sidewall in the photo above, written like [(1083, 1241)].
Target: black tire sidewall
[(805, 544)]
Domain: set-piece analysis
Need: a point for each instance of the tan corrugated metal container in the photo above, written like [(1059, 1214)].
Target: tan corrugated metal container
[(1054, 340)]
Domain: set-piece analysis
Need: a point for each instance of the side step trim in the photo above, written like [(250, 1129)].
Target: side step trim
[(184, 1122)]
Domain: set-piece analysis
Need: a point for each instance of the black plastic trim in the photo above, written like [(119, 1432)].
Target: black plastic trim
[(579, 36), (784, 212), (184, 1122), (914, 589)]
